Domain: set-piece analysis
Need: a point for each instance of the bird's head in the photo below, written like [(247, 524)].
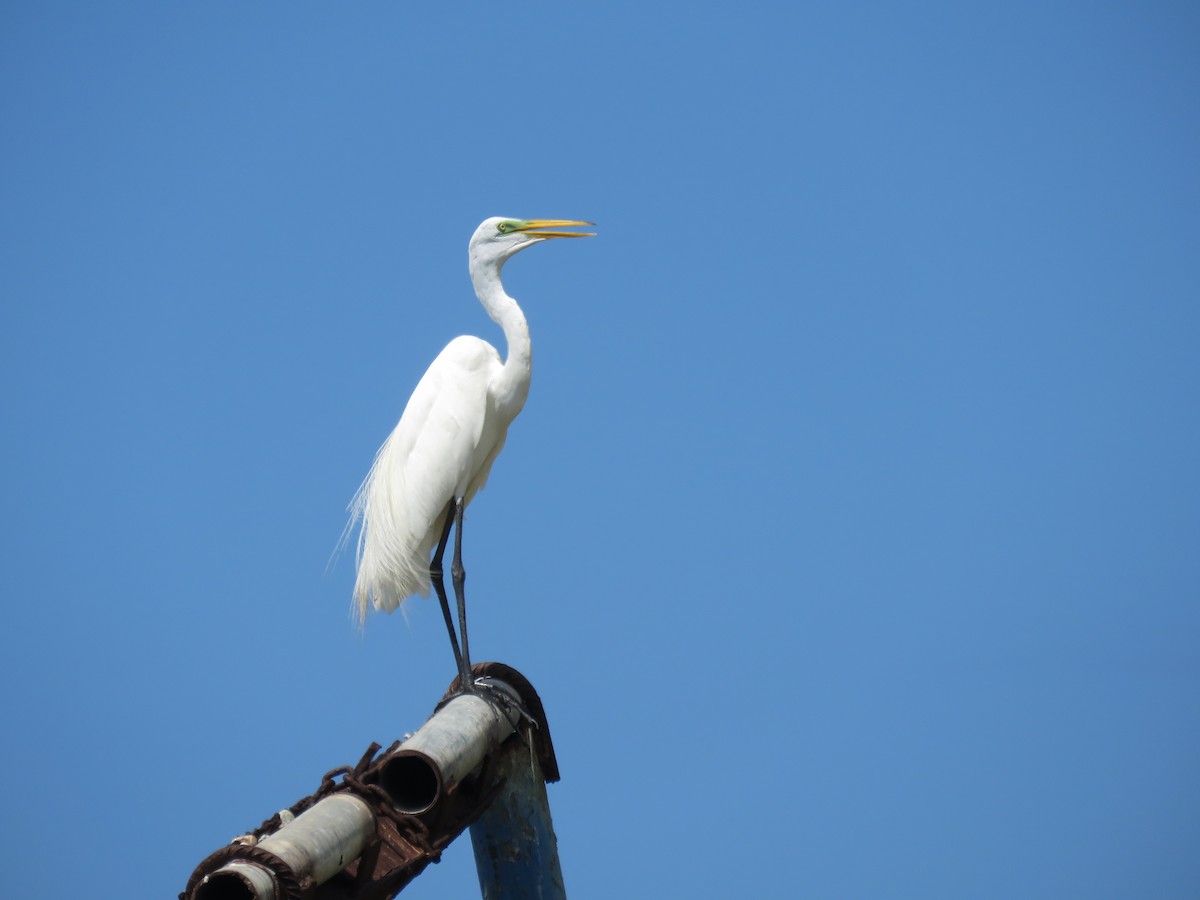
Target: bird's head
[(498, 238)]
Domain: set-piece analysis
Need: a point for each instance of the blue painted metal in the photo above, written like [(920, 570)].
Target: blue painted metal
[(516, 852)]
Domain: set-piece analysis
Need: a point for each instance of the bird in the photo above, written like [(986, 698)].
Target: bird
[(441, 452)]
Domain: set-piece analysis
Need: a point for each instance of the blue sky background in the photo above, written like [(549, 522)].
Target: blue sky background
[(851, 533)]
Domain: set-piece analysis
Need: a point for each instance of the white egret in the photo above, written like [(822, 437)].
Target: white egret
[(439, 455)]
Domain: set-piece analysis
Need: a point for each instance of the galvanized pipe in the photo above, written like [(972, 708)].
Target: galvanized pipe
[(448, 748), (237, 881), (323, 840), (316, 845)]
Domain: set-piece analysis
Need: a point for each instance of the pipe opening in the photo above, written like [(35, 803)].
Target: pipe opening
[(224, 886), (411, 780)]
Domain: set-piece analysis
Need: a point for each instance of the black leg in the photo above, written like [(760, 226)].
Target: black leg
[(458, 576), (435, 575)]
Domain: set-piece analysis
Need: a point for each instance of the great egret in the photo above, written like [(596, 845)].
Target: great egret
[(439, 455)]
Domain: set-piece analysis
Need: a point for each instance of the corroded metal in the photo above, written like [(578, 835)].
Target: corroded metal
[(314, 846), (352, 840)]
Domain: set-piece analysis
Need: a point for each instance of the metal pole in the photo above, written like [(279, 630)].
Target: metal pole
[(392, 816), (448, 748), (516, 852), (316, 845)]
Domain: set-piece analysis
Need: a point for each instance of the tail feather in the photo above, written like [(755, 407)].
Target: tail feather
[(392, 561)]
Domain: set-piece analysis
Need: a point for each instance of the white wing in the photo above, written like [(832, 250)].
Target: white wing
[(445, 440)]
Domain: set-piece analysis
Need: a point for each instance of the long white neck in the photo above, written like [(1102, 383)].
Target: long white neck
[(512, 387)]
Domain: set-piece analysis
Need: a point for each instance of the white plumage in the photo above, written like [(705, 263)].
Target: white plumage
[(441, 452), (443, 447)]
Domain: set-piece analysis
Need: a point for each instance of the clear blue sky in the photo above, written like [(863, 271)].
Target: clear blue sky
[(851, 533)]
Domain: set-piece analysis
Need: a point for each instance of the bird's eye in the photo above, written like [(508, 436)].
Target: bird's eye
[(504, 227)]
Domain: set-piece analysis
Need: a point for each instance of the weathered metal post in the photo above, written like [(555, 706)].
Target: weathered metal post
[(367, 835), (516, 852)]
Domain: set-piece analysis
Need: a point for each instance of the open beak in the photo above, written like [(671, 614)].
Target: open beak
[(537, 228)]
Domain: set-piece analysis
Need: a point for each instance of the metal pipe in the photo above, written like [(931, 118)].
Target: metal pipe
[(237, 881), (516, 852), (452, 745), (316, 845), (448, 748)]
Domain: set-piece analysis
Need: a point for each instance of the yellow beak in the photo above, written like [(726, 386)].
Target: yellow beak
[(537, 227)]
